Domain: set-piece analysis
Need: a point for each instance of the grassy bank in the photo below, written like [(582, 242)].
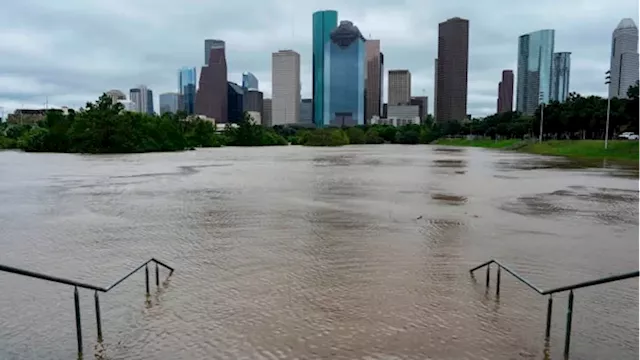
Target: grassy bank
[(589, 149), (592, 149)]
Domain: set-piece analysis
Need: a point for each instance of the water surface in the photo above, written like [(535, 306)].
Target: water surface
[(359, 252)]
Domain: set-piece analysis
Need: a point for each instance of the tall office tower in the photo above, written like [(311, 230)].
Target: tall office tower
[(253, 101), (399, 83), (452, 71), (435, 87), (169, 102), (306, 111), (560, 71), (505, 92), (235, 102), (373, 80), (142, 97), (266, 112), (535, 56), (423, 105), (323, 23), (249, 81), (344, 77), (187, 89), (210, 44), (624, 58), (285, 82), (212, 97)]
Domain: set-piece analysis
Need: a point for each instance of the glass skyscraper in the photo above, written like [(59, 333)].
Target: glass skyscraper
[(249, 81), (187, 89), (560, 70), (323, 23), (344, 69), (535, 58)]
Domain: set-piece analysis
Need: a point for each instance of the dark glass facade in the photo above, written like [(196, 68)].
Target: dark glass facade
[(505, 92), (235, 98), (211, 97), (187, 89), (344, 77), (323, 23), (452, 70), (535, 57), (560, 71)]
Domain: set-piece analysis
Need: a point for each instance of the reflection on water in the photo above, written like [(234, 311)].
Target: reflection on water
[(289, 252)]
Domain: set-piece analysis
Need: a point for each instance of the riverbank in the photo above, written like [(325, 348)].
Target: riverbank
[(623, 150)]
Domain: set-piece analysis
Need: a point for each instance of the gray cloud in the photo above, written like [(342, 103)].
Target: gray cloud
[(70, 51)]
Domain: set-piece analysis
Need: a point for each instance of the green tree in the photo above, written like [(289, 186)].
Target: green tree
[(356, 135)]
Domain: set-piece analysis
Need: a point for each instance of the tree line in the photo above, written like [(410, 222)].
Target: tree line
[(103, 127)]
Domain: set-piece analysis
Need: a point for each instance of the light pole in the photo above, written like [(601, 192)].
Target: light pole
[(607, 81), (541, 100)]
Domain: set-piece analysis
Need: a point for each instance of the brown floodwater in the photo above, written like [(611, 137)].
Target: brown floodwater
[(359, 252)]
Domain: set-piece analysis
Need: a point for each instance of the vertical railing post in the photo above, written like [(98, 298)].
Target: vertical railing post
[(498, 281), (76, 300), (567, 339), (488, 274), (146, 276), (98, 317), (157, 275), (547, 332)]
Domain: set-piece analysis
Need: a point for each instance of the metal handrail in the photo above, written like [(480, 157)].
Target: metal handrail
[(96, 289), (550, 292)]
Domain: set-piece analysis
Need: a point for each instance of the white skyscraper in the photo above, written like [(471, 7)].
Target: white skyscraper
[(285, 91), (624, 58)]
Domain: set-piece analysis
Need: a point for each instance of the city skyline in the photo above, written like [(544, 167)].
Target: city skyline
[(587, 60)]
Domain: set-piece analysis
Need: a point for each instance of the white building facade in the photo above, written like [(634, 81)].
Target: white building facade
[(285, 92), (624, 58)]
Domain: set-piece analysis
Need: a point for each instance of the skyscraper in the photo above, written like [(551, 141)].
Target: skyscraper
[(249, 81), (266, 112), (452, 70), (211, 97), (323, 23), (624, 58), (169, 102), (285, 82), (535, 56), (211, 44), (187, 89), (423, 105), (505, 92), (399, 92), (142, 97), (306, 111), (373, 79), (560, 70), (344, 77), (235, 104)]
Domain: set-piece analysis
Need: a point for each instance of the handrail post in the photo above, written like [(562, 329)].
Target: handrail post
[(157, 275), (146, 276), (567, 339), (498, 281), (76, 300), (547, 332), (488, 274), (98, 317)]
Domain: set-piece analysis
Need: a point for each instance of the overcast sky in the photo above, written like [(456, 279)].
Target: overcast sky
[(71, 51)]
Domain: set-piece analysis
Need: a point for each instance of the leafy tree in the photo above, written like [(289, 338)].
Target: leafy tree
[(356, 135), (372, 137)]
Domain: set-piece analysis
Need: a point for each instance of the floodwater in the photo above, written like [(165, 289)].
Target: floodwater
[(359, 252)]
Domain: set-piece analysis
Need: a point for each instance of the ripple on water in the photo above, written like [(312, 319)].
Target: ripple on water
[(296, 253)]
